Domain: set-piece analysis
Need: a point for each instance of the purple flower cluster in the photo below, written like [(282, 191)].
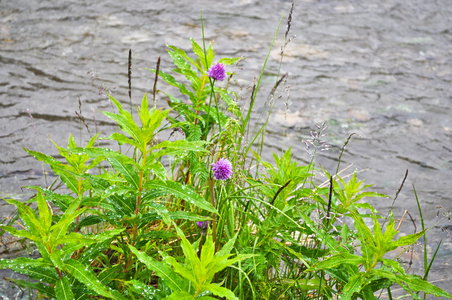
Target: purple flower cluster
[(222, 170), (203, 224), (217, 72)]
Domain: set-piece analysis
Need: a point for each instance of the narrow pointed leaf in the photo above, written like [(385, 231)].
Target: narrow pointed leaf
[(125, 121), (181, 191), (21, 233), (42, 288), (163, 271), (35, 268), (414, 282), (126, 170), (29, 217), (88, 277), (230, 61), (354, 285), (122, 139), (337, 260), (63, 289), (219, 291), (180, 295), (44, 211)]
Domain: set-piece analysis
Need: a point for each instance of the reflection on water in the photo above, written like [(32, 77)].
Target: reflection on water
[(380, 69)]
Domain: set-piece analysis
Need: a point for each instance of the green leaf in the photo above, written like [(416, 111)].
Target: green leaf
[(119, 163), (143, 111), (89, 278), (59, 230), (177, 215), (328, 240), (121, 139), (104, 153), (222, 262), (90, 220), (214, 113), (210, 54), (186, 69), (76, 238), (37, 269), (228, 246), (180, 295), (219, 291), (68, 179), (148, 291), (45, 158), (226, 98), (92, 251), (179, 146), (155, 121), (181, 191), (409, 239), (30, 218), (183, 271), (194, 270), (44, 212), (42, 288), (231, 60), (337, 260), (354, 285), (22, 233), (414, 282), (171, 81), (305, 284), (161, 270), (63, 289), (121, 198), (199, 52), (62, 201), (366, 238), (125, 121), (369, 195), (107, 275), (184, 55)]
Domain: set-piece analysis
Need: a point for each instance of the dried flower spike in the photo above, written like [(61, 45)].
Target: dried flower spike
[(217, 72), (222, 170)]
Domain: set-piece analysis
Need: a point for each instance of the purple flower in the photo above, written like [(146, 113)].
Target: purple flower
[(222, 170), (217, 72), (203, 224)]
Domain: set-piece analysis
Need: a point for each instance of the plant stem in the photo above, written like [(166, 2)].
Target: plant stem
[(214, 222)]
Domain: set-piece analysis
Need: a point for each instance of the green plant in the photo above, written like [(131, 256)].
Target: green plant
[(265, 230)]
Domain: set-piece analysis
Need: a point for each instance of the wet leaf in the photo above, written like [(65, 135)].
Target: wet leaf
[(63, 289), (181, 191)]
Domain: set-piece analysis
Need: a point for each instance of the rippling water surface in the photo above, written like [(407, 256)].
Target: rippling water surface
[(379, 69)]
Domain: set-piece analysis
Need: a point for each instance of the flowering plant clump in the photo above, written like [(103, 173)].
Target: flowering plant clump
[(132, 237), (217, 72), (222, 170)]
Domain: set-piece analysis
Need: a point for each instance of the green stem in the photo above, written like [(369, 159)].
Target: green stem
[(212, 93), (214, 217)]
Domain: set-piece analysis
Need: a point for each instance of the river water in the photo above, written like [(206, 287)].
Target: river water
[(381, 70)]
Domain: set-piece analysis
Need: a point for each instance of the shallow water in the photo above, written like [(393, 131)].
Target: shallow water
[(379, 69)]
